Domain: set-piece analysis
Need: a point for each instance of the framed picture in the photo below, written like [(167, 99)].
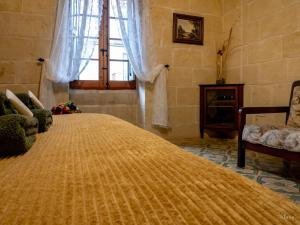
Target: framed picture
[(188, 29)]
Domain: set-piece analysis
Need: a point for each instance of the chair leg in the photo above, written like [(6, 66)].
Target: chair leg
[(241, 146), (201, 132), (241, 156), (286, 167)]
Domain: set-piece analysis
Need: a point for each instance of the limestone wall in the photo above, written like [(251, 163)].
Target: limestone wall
[(119, 103), (265, 50), (191, 65), (26, 28)]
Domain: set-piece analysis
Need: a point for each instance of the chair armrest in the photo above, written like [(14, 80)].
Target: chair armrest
[(260, 110)]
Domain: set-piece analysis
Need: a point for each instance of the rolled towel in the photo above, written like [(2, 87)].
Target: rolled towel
[(44, 117), (17, 134), (24, 97), (5, 106)]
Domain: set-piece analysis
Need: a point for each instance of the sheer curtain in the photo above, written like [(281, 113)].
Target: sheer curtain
[(135, 27), (75, 38)]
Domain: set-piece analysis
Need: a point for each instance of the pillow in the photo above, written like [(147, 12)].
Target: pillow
[(35, 100), (294, 118), (20, 107)]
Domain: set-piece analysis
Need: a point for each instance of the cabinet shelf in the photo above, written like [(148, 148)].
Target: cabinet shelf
[(222, 101), (213, 125), (221, 106)]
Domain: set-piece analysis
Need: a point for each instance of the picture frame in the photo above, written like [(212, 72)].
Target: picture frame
[(188, 29)]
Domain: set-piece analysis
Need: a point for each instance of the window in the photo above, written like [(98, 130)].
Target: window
[(109, 67)]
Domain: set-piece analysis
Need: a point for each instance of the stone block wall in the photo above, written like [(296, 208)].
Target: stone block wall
[(264, 54), (26, 28), (265, 50), (191, 65), (119, 103)]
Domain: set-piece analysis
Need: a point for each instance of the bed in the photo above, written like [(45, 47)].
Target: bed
[(97, 169)]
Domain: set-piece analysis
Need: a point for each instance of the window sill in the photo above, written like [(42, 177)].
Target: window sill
[(103, 97), (100, 85), (100, 91)]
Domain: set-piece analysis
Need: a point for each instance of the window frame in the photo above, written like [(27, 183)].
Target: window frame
[(104, 83)]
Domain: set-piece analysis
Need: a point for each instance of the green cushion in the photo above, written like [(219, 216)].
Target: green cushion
[(5, 106), (17, 133)]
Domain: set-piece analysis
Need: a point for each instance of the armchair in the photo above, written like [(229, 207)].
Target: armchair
[(278, 141)]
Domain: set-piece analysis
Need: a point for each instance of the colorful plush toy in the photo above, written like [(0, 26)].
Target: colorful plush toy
[(66, 108)]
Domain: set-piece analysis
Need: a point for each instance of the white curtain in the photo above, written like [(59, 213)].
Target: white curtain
[(75, 38), (135, 27)]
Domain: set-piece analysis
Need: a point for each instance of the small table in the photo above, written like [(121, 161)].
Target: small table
[(219, 106)]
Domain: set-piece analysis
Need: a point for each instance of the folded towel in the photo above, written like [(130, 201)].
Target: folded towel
[(25, 98), (5, 106), (17, 133), (30, 131), (44, 117)]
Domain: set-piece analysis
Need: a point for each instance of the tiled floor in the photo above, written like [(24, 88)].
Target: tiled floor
[(266, 170)]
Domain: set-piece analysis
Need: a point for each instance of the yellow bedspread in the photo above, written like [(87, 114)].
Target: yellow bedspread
[(97, 169)]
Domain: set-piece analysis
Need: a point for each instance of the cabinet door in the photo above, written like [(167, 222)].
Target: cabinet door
[(220, 107)]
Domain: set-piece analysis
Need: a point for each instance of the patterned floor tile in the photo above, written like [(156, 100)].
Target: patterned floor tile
[(264, 169)]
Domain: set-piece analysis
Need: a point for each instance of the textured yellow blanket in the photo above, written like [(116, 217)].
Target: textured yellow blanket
[(97, 169)]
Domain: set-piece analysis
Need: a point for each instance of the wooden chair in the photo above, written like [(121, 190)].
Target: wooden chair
[(243, 145)]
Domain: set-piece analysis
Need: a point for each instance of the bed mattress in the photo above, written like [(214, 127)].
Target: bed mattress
[(97, 169)]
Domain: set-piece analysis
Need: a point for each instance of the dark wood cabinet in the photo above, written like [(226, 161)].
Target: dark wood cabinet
[(219, 106)]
